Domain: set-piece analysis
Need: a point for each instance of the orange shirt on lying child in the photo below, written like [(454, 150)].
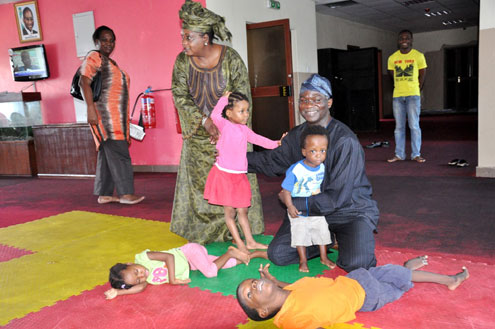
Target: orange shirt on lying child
[(318, 302)]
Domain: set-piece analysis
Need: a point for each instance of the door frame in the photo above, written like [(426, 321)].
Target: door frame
[(268, 91)]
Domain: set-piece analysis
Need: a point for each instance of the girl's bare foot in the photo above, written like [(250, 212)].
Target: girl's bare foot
[(459, 278), (241, 246), (415, 263), (256, 245), (328, 262), (303, 267), (239, 255)]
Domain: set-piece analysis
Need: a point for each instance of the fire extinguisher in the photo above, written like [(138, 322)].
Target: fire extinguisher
[(148, 111)]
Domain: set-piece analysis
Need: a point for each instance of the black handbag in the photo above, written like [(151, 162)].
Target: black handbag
[(75, 90)]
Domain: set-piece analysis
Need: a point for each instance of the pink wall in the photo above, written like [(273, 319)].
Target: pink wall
[(148, 40)]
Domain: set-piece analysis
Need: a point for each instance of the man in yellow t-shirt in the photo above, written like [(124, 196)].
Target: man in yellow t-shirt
[(317, 302), (407, 66)]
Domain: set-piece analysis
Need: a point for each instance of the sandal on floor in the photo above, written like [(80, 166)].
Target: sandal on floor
[(378, 144), (102, 199), (419, 159), (394, 159), (454, 162), (131, 201), (373, 145)]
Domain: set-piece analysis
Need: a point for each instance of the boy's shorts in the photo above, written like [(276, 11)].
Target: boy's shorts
[(309, 231)]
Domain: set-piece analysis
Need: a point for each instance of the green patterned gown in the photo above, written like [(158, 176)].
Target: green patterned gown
[(196, 92)]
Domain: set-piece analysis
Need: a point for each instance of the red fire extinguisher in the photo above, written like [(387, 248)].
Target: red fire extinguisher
[(148, 110)]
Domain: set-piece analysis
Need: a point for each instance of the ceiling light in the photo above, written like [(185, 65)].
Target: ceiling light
[(454, 21)]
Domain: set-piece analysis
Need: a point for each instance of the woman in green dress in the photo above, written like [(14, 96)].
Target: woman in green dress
[(202, 72)]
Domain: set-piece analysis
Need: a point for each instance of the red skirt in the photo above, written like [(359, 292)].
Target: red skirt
[(227, 189)]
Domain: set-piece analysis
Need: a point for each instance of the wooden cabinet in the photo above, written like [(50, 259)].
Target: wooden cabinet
[(65, 150), (17, 158)]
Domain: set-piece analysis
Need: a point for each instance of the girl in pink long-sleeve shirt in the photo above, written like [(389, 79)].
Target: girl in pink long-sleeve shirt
[(227, 184)]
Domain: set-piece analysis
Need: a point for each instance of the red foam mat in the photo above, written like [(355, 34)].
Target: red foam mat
[(164, 306), (168, 306), (429, 305)]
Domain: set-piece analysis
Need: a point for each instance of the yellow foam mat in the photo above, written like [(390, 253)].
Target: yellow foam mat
[(72, 252), (268, 324)]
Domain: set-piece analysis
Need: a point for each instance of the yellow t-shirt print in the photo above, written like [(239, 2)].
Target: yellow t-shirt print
[(406, 71)]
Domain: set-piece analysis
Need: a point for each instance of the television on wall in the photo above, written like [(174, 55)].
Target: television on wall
[(29, 63)]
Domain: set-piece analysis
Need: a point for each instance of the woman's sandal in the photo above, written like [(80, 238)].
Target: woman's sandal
[(102, 199)]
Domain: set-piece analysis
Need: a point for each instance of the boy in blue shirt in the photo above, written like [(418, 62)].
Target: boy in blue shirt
[(304, 179)]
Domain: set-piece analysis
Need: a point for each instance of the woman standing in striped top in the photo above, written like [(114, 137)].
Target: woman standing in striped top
[(109, 120)]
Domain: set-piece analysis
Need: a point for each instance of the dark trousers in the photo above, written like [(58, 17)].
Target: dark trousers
[(114, 169), (355, 238)]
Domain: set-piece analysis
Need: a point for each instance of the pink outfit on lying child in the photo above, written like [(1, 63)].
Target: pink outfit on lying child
[(198, 259)]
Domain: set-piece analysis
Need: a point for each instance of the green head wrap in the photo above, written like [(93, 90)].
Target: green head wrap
[(198, 19)]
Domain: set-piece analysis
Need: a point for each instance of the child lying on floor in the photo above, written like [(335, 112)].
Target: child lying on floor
[(318, 302), (171, 266)]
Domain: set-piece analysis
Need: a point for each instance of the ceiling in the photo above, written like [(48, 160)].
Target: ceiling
[(414, 15), (395, 15)]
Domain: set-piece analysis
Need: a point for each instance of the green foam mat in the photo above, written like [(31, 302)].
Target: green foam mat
[(228, 279)]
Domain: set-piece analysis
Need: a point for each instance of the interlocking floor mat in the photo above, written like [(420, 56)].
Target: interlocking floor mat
[(228, 279), (49, 264), (71, 252), (53, 273), (165, 306)]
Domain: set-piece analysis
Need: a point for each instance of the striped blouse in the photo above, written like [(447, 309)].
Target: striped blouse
[(113, 105)]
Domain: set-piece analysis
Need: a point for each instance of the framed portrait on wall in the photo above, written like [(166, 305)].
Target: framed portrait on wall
[(28, 21)]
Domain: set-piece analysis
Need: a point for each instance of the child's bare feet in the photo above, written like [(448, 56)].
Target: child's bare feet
[(459, 278), (239, 255), (416, 263), (241, 246), (328, 262), (256, 245), (303, 267)]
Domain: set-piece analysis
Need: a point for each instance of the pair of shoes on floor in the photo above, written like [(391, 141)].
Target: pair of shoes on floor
[(458, 163), (378, 144), (419, 159), (394, 159), (133, 200)]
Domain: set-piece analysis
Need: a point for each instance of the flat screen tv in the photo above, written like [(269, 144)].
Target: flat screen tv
[(29, 63)]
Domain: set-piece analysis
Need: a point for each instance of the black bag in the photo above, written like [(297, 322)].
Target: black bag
[(75, 90)]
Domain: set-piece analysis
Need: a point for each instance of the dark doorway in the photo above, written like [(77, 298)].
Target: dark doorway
[(270, 75), (461, 78), (355, 76)]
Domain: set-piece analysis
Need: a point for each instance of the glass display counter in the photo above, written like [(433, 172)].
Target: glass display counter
[(18, 113)]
